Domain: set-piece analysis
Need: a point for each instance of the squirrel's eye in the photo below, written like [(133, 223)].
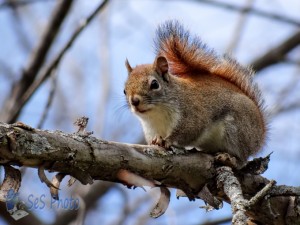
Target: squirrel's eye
[(124, 92), (154, 85)]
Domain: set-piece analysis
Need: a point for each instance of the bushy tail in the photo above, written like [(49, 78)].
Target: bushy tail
[(188, 56)]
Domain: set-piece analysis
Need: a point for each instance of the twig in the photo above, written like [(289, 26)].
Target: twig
[(289, 107), (277, 53), (283, 190), (283, 95), (82, 122), (81, 212), (6, 71), (218, 221), (257, 12), (14, 4), (240, 26), (49, 100), (20, 31), (97, 191), (104, 55), (47, 39), (133, 208), (261, 194)]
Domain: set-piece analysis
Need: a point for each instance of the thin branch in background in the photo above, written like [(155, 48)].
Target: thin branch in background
[(126, 209), (96, 191), (47, 71), (285, 93), (53, 77), (14, 4), (144, 217), (292, 106), (6, 71), (254, 11), (218, 221), (129, 211), (104, 55), (29, 219), (240, 26), (277, 53), (62, 115), (13, 103), (81, 212), (18, 26), (291, 61)]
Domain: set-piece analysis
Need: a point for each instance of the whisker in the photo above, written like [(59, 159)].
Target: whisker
[(119, 111)]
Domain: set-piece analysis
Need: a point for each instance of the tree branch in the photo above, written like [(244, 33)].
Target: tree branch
[(254, 11), (218, 221), (277, 53), (14, 3), (233, 190), (30, 219), (239, 28), (97, 191), (82, 156), (50, 98), (72, 153), (36, 61), (11, 113)]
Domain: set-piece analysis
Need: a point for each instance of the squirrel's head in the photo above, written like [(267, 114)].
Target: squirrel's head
[(147, 85)]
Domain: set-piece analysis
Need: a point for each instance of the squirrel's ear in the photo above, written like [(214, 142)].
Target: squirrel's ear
[(129, 68), (161, 65)]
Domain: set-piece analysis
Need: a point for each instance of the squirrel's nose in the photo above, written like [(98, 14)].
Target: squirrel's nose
[(135, 101)]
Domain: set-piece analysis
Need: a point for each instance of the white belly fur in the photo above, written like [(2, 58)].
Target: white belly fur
[(159, 121)]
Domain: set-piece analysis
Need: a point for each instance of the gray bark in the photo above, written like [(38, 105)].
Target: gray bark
[(86, 158)]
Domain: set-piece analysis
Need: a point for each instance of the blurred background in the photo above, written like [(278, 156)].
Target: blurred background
[(62, 59)]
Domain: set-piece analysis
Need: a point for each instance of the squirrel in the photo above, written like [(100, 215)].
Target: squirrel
[(192, 98)]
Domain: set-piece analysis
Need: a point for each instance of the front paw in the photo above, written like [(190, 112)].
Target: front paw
[(227, 160), (158, 140)]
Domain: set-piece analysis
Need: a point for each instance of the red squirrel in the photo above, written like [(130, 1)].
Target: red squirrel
[(192, 98)]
